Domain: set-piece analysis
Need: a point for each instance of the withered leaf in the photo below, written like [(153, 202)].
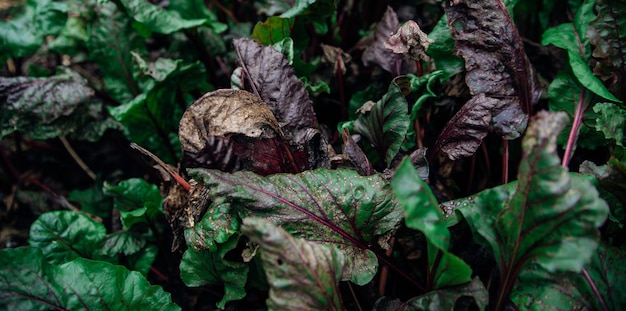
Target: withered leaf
[(335, 56), (410, 41), (486, 38), (233, 129), (378, 54), (353, 152), (274, 80)]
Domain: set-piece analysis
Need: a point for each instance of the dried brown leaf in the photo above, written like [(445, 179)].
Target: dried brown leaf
[(353, 152), (409, 41)]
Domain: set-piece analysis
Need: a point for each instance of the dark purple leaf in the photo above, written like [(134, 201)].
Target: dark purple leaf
[(353, 152), (378, 54), (274, 81), (486, 38), (465, 131)]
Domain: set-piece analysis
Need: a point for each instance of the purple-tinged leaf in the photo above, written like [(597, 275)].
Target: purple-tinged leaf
[(548, 217), (302, 274), (409, 41), (378, 54), (339, 207), (486, 38), (275, 82), (464, 133)]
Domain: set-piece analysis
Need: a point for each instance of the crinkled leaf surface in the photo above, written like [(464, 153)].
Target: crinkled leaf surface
[(51, 107), (110, 40), (486, 38), (29, 282), (277, 85), (65, 235), (536, 287), (201, 267), (611, 121), (336, 207), (550, 218), (612, 180), (302, 274), (380, 55), (466, 297), (386, 124), (29, 23), (125, 242), (422, 213), (464, 133), (159, 19)]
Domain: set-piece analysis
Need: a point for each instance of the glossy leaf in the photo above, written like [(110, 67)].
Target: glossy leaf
[(442, 50), (338, 207), (386, 124), (65, 235), (46, 108), (550, 218), (611, 121), (502, 74), (302, 274), (422, 213), (29, 282), (202, 267)]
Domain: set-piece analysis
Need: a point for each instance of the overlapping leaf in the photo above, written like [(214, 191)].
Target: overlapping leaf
[(303, 275), (29, 282), (137, 200), (496, 66), (336, 207), (550, 218)]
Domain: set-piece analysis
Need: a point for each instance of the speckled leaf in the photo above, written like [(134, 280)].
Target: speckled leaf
[(29, 282), (611, 121), (302, 274), (487, 39), (65, 235), (202, 267), (336, 207)]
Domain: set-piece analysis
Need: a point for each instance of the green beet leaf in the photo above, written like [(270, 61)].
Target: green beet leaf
[(92, 200), (537, 289), (422, 213), (303, 275), (29, 24), (137, 200), (65, 235), (611, 121), (29, 282), (550, 218), (163, 21), (202, 267), (471, 296), (386, 124), (338, 207), (442, 50), (272, 30), (110, 40)]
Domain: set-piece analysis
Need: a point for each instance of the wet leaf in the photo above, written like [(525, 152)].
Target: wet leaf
[(386, 124), (46, 108), (464, 133), (302, 274), (486, 38), (64, 235), (549, 218), (338, 207), (29, 282), (611, 121), (201, 267), (378, 54)]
